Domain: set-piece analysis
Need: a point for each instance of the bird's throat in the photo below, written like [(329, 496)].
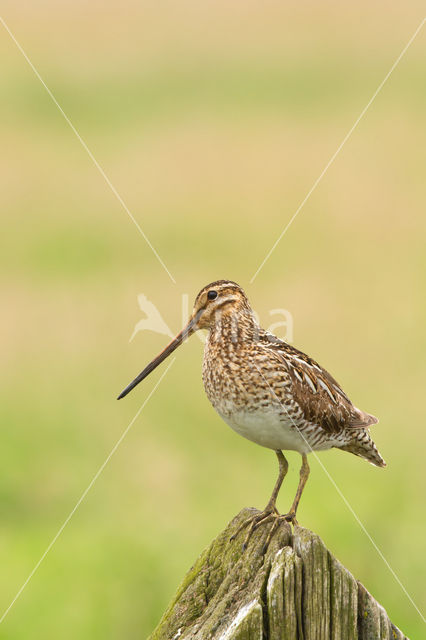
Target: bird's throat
[(234, 328)]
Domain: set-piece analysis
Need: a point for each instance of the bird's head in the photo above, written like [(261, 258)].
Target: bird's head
[(214, 302)]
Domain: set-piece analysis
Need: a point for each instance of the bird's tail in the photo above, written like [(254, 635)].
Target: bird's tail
[(362, 445)]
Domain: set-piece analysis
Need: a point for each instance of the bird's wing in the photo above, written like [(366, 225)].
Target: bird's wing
[(318, 394)]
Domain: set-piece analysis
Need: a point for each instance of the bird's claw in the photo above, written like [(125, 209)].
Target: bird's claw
[(290, 517), (261, 518)]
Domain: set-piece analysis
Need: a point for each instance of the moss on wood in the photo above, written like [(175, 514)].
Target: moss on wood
[(295, 591)]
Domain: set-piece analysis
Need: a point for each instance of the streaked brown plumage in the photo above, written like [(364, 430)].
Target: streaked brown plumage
[(269, 391)]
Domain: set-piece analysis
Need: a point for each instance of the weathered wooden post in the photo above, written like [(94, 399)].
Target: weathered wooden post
[(295, 591)]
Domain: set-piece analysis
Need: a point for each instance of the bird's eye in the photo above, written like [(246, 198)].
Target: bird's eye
[(212, 295)]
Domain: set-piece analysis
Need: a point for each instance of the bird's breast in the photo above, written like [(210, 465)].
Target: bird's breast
[(251, 399), (224, 382)]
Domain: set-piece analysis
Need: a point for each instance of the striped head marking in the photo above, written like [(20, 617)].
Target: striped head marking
[(220, 297)]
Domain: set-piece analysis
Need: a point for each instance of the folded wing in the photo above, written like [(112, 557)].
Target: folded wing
[(318, 394)]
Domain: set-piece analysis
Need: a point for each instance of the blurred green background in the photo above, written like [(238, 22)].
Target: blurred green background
[(212, 120)]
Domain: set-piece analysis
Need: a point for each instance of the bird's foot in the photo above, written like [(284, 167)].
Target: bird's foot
[(253, 522), (290, 517), (261, 518)]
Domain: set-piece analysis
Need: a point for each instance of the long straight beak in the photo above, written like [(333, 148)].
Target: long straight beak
[(180, 338)]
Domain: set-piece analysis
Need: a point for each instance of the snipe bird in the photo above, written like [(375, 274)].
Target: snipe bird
[(268, 391)]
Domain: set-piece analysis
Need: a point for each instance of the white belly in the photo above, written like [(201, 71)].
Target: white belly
[(267, 429)]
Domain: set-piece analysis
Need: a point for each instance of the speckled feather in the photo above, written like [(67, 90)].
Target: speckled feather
[(272, 393)]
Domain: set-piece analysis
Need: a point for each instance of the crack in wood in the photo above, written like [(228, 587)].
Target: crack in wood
[(297, 590)]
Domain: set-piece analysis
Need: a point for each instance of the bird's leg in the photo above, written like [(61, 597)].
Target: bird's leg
[(270, 511), (291, 515), (304, 474), (283, 468)]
